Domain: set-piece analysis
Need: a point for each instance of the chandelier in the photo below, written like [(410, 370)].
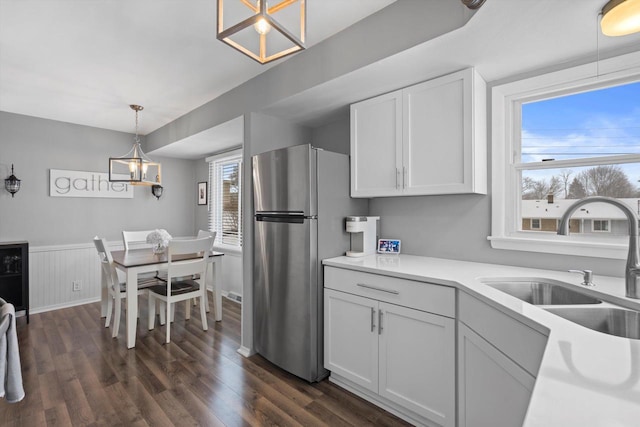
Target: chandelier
[(135, 167), (263, 30)]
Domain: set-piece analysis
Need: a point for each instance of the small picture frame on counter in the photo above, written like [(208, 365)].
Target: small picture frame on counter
[(389, 246)]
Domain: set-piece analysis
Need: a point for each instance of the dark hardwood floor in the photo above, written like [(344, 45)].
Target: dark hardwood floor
[(75, 374)]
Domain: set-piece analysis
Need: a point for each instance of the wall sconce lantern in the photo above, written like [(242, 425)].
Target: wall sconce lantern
[(264, 30), (156, 190), (12, 184)]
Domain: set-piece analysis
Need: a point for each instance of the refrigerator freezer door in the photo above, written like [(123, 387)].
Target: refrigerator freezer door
[(285, 180), (285, 295)]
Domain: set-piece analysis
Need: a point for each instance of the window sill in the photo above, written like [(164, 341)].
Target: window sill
[(228, 249), (562, 246)]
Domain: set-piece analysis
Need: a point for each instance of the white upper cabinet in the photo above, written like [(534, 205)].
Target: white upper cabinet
[(425, 139)]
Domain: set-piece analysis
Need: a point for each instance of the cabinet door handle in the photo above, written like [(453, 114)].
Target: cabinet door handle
[(397, 177), (373, 319), (380, 322), (375, 288), (404, 177)]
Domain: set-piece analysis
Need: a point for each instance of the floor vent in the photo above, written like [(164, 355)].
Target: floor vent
[(235, 297)]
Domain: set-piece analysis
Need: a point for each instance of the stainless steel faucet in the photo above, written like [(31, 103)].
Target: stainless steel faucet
[(632, 270)]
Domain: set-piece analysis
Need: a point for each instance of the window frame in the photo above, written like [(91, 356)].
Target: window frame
[(506, 100), (539, 227), (601, 220), (234, 155)]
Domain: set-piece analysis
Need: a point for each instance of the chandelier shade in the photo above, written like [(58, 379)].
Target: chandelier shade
[(620, 17), (261, 29), (135, 167)]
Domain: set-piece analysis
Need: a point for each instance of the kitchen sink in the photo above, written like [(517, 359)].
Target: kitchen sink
[(609, 320), (542, 293)]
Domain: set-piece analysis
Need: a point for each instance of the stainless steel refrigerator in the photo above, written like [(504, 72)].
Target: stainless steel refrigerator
[(301, 196)]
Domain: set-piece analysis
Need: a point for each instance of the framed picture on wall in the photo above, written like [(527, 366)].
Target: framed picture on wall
[(202, 193)]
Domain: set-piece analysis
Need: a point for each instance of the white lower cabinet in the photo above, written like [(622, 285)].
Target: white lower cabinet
[(401, 355), (493, 391)]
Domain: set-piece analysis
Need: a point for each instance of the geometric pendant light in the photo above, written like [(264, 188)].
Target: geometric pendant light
[(264, 30), (620, 17), (135, 167)]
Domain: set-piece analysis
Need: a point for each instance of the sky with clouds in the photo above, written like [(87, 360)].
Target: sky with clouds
[(596, 123)]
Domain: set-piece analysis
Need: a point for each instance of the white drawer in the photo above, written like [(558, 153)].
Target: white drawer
[(423, 296), (521, 343)]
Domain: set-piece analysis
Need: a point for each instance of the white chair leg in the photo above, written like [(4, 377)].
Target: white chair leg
[(116, 321), (152, 312), (187, 309), (107, 321), (206, 300), (168, 326), (163, 312), (203, 312)]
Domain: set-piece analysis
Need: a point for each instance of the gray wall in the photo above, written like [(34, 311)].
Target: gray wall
[(455, 226), (36, 145)]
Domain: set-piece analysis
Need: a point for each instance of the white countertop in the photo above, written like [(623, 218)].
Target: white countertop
[(586, 378)]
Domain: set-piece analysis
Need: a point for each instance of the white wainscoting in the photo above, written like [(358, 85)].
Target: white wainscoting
[(53, 269)]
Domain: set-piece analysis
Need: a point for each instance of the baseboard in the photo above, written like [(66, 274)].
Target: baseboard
[(244, 351), (63, 305)]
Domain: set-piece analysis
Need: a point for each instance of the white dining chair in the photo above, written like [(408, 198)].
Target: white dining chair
[(138, 240), (180, 285), (116, 288), (135, 239), (201, 234)]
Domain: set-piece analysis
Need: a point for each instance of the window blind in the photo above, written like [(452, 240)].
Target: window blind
[(225, 200)]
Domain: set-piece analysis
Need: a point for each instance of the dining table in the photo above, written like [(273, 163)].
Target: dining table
[(133, 262)]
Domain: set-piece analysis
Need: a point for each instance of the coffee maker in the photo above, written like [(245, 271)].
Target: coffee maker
[(364, 235)]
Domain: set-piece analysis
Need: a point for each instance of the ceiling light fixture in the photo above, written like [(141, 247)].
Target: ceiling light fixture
[(134, 167), (254, 19), (12, 184), (473, 4), (620, 17)]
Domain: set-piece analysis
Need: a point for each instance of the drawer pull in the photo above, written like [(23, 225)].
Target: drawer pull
[(373, 319), (375, 288), (380, 322)]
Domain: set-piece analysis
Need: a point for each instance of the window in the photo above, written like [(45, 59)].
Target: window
[(600, 225), (225, 203), (557, 138)]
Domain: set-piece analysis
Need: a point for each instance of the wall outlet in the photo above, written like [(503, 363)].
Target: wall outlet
[(77, 285)]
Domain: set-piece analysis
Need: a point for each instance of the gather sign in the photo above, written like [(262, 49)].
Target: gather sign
[(64, 183)]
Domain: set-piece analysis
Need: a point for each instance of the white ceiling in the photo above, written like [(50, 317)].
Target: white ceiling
[(84, 62), (504, 38)]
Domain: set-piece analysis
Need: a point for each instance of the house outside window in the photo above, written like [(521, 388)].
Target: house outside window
[(560, 137), (600, 226), (225, 201)]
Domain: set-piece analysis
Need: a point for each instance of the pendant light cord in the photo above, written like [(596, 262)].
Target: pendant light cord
[(598, 18)]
